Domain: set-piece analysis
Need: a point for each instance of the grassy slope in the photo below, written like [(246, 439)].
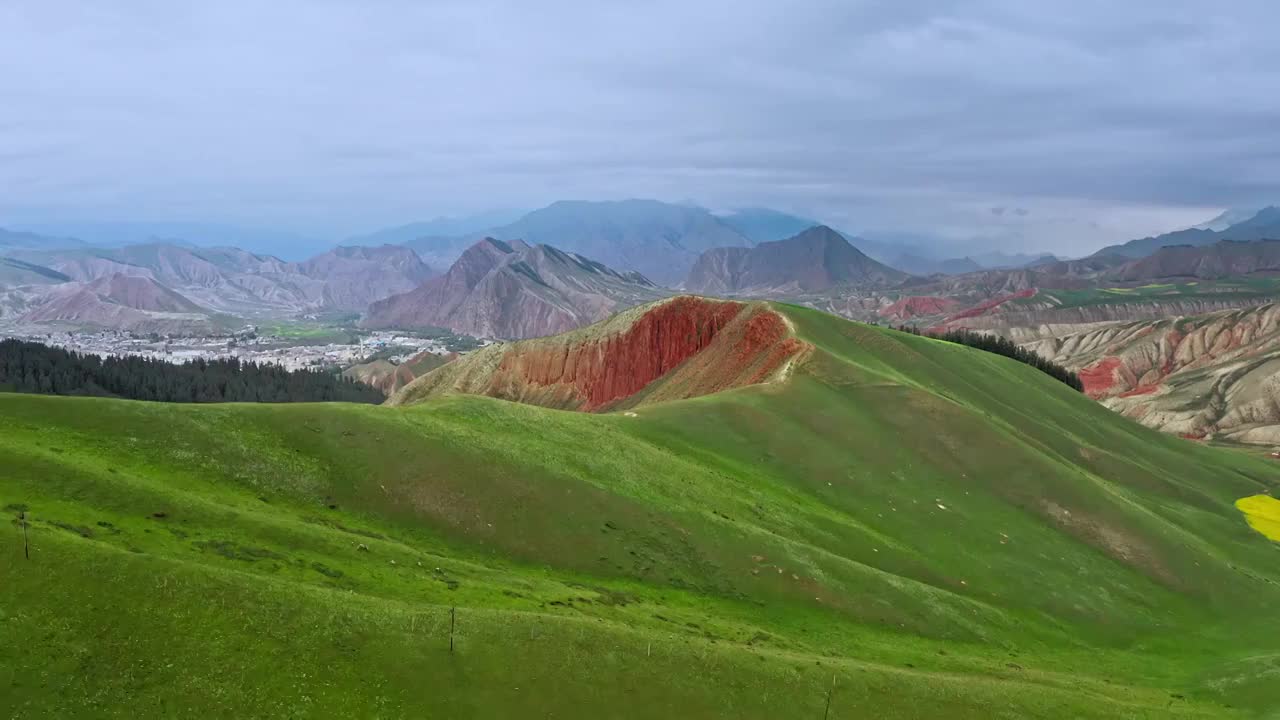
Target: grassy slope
[(727, 556), (1244, 289)]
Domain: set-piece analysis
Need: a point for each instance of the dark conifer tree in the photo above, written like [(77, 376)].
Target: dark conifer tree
[(1003, 346), (29, 367)]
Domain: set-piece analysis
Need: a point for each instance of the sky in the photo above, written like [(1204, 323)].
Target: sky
[(1032, 125)]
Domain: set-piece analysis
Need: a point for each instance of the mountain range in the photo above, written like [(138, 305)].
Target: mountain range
[(514, 290), (1261, 225), (13, 240), (120, 302), (211, 281)]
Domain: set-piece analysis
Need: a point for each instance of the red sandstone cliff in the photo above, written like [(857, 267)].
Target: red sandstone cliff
[(678, 348)]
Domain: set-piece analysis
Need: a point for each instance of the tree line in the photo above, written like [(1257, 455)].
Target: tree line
[(1003, 346), (30, 367)]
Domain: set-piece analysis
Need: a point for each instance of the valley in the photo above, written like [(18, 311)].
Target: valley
[(353, 298)]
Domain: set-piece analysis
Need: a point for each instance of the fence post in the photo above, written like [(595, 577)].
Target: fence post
[(453, 619), (26, 547)]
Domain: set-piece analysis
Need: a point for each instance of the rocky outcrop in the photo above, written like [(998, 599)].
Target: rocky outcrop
[(817, 259), (916, 306), (390, 377), (677, 348), (514, 290), (986, 307), (1200, 376), (1044, 320)]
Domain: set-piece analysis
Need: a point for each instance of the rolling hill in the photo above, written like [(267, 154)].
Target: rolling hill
[(390, 377), (894, 527)]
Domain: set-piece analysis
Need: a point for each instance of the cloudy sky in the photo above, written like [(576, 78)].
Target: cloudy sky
[(1036, 124)]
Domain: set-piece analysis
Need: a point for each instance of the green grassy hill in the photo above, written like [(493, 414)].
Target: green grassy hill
[(903, 528)]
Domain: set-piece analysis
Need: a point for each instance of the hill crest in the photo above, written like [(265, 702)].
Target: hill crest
[(677, 348)]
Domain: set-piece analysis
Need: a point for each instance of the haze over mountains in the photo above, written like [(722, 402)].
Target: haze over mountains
[(1263, 224), (594, 258), (210, 281)]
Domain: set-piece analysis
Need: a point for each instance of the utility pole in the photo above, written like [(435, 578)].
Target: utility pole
[(453, 619)]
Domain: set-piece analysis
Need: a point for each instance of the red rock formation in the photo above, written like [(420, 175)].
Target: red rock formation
[(1140, 390), (917, 306), (681, 348), (1099, 377), (995, 302), (603, 371)]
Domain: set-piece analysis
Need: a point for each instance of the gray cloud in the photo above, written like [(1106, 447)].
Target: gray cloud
[(332, 116)]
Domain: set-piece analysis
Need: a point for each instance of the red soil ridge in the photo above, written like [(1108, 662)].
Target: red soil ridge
[(984, 307), (1099, 377), (601, 372), (1140, 390), (917, 305)]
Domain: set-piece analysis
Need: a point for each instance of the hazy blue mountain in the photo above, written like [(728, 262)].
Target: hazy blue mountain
[(441, 227), (1227, 218), (997, 259), (923, 266), (1262, 225), (263, 241), (11, 240), (659, 240), (764, 225)]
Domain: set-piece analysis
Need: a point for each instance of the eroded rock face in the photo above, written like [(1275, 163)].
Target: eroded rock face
[(1207, 375), (918, 306), (679, 348), (608, 369)]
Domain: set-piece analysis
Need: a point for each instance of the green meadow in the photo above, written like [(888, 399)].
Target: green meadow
[(903, 528)]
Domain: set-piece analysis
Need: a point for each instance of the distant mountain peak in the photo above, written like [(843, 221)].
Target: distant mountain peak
[(1260, 225), (815, 259), (511, 289)]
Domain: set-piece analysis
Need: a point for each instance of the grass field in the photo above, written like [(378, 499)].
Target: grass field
[(312, 332), (1228, 289), (904, 528)]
